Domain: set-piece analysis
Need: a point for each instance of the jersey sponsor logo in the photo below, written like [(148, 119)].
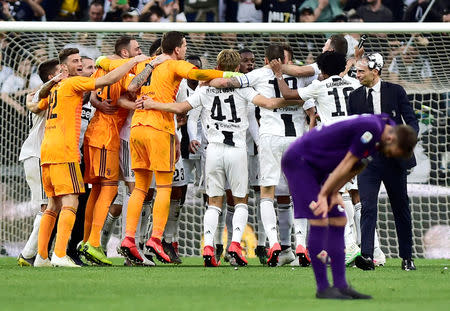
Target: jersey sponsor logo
[(340, 208), (366, 137)]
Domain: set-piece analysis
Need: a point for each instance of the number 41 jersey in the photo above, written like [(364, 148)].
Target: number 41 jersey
[(224, 113)]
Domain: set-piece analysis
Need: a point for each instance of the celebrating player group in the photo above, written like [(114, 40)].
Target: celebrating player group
[(133, 120)]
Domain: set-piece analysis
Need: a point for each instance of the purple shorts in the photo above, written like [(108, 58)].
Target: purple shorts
[(304, 185)]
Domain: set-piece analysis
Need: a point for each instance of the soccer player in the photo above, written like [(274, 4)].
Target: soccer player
[(154, 146), (224, 115), (317, 166), (101, 154), (331, 96), (60, 155), (30, 155), (278, 128)]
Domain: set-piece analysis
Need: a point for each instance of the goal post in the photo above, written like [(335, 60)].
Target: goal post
[(423, 68)]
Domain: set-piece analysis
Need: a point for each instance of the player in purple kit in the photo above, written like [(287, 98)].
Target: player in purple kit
[(317, 165)]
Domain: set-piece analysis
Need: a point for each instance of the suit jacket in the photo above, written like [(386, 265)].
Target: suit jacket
[(394, 102)]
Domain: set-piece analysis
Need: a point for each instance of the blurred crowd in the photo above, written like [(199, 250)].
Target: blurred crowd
[(226, 10)]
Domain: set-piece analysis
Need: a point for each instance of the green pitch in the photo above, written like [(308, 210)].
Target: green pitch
[(190, 286)]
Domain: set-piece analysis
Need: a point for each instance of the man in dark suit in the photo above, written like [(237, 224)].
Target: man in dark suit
[(375, 97)]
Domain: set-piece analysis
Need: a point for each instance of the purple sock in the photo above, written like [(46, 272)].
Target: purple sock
[(336, 251), (316, 243)]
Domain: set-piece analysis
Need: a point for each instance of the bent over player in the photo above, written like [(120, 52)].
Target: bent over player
[(317, 166)]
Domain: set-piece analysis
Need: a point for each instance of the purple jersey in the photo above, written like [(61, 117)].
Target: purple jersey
[(325, 146)]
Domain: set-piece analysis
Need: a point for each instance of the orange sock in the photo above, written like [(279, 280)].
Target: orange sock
[(162, 202), (89, 213), (143, 180), (45, 231), (107, 194), (65, 225)]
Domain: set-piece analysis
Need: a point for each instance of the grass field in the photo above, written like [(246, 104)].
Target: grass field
[(192, 287)]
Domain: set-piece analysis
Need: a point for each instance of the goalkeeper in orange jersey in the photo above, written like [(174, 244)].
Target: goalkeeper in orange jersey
[(60, 156), (154, 145)]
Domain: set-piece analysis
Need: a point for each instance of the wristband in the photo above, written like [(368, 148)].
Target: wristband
[(149, 64), (231, 74)]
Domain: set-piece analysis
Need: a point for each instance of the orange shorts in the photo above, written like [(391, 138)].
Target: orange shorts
[(100, 163), (152, 149), (62, 178)]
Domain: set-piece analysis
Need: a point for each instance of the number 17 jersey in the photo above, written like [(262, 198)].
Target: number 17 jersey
[(288, 121), (224, 113)]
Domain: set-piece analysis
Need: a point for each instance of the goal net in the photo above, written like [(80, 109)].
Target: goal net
[(415, 59)]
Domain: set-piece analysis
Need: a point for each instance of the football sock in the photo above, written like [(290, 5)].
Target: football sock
[(161, 210), (162, 203), (260, 227), (376, 242), (145, 219), (78, 227), (269, 220), (89, 212), (30, 248), (229, 221), (107, 230), (134, 211), (210, 220), (45, 230), (218, 236), (65, 225), (240, 218), (172, 221), (285, 221), (134, 207), (126, 199), (316, 244), (349, 236), (301, 231), (336, 252), (358, 222), (107, 194)]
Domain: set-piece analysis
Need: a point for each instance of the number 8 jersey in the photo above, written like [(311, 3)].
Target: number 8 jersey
[(224, 113)]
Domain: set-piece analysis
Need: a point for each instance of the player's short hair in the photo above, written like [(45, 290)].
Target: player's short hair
[(86, 57), (97, 3), (274, 51), (194, 58), (289, 49), (245, 50), (228, 60), (122, 43), (331, 63), (171, 40), (339, 44), (65, 53), (406, 139), (47, 68), (154, 47)]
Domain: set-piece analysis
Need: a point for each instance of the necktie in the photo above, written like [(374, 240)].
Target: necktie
[(369, 101)]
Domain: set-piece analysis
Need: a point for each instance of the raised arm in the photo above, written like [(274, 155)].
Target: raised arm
[(140, 78), (282, 85), (115, 75), (148, 103), (298, 71), (273, 103), (222, 83)]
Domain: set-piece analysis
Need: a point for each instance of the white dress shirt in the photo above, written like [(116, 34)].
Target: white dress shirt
[(376, 96)]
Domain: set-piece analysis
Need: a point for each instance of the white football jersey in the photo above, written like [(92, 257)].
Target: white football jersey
[(288, 121), (32, 145), (331, 96), (224, 113), (87, 112)]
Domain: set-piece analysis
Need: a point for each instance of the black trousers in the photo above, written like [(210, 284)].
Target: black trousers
[(393, 175)]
